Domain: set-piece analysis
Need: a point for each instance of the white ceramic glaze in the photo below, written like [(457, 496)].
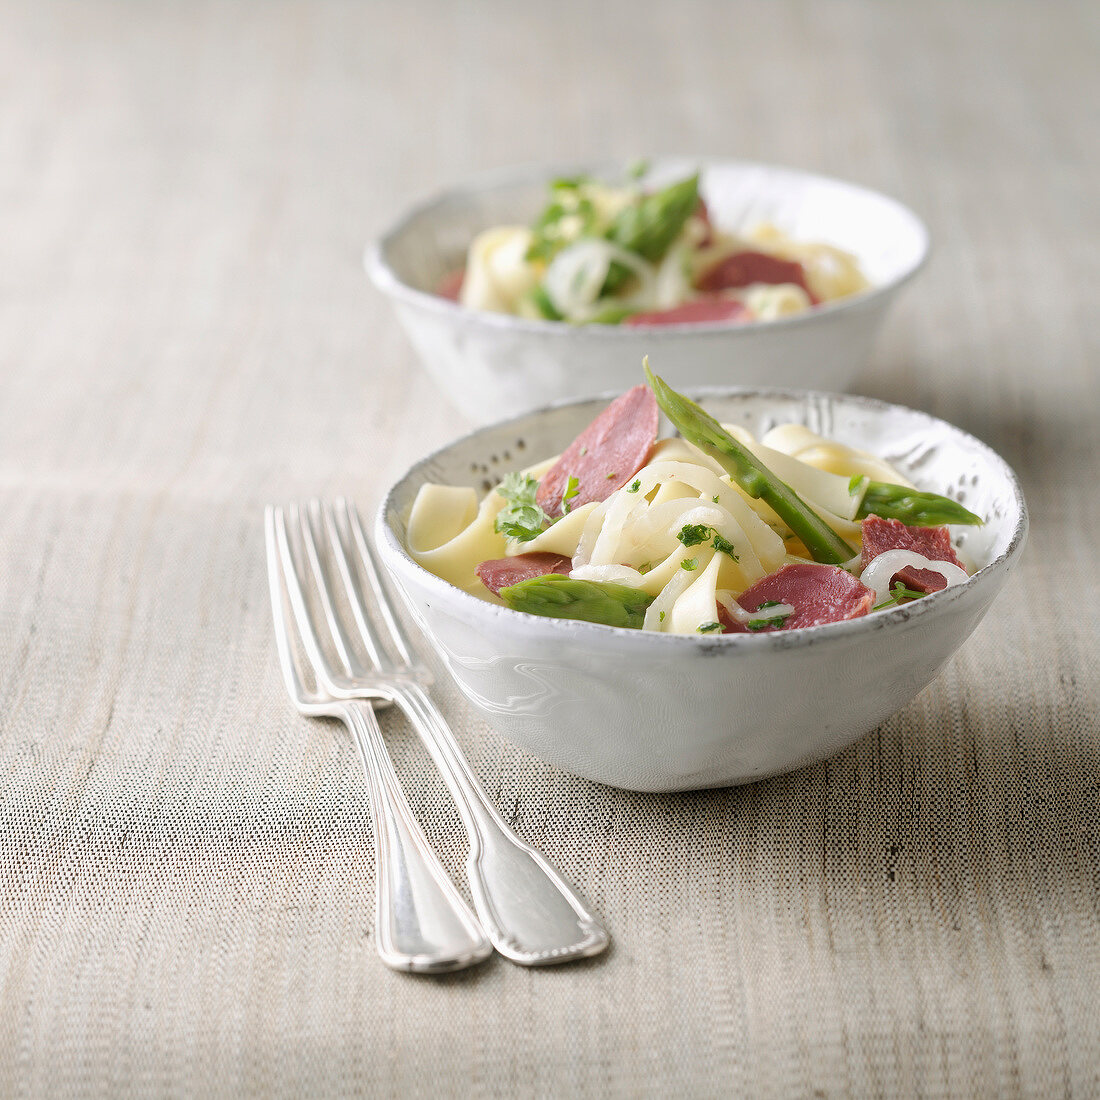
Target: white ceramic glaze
[(492, 365), (658, 712)]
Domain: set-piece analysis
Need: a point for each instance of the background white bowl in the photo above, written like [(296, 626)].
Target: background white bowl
[(659, 712), (492, 365)]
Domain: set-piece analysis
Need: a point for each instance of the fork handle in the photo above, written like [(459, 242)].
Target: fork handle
[(532, 915), (422, 923)]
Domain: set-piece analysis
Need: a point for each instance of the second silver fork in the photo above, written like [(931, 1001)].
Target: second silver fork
[(421, 922), (531, 914)]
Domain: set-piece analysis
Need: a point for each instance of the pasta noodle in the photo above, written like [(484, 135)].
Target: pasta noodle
[(446, 548)]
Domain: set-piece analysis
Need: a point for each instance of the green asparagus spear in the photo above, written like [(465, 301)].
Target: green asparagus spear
[(912, 507), (562, 597), (612, 315), (650, 225), (698, 427)]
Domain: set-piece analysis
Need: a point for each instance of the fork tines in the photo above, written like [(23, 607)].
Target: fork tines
[(324, 539)]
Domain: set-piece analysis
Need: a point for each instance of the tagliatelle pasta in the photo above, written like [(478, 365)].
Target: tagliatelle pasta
[(635, 536), (449, 538), (688, 542), (711, 532), (829, 455)]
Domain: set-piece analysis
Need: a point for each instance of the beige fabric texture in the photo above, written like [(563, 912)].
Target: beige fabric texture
[(186, 875)]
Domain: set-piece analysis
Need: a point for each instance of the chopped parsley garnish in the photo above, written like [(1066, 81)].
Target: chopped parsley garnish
[(898, 593), (714, 499), (662, 616), (709, 628), (645, 567), (635, 485), (694, 534), (611, 477), (571, 490), (761, 624), (724, 546), (689, 564), (521, 518), (548, 235)]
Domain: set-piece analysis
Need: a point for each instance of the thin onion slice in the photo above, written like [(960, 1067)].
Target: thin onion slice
[(760, 615), (576, 275), (878, 574)]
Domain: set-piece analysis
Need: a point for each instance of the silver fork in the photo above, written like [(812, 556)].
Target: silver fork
[(532, 915), (422, 923)]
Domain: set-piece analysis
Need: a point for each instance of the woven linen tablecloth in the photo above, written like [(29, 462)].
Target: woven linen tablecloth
[(186, 872)]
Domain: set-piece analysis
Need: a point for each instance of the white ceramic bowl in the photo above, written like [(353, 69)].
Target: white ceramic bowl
[(660, 712), (492, 365)]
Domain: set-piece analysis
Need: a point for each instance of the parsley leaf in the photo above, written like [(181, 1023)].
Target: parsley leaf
[(760, 624), (724, 546), (709, 628), (521, 518), (689, 564), (899, 593), (571, 490), (548, 232), (635, 485), (693, 534)]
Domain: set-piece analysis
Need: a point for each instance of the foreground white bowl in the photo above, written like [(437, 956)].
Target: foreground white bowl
[(660, 712), (492, 365)]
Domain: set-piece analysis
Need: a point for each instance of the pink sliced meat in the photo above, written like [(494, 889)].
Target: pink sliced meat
[(501, 572), (606, 455), (702, 309), (745, 268), (818, 593), (451, 286), (934, 543)]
